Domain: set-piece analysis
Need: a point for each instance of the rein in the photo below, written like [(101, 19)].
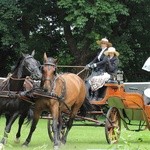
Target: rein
[(81, 71), (63, 91), (17, 79), (64, 66), (41, 93)]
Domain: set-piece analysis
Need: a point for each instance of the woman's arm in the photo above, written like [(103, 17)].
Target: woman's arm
[(113, 65)]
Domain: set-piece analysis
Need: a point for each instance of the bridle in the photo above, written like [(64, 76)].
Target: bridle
[(30, 70), (50, 64), (23, 64)]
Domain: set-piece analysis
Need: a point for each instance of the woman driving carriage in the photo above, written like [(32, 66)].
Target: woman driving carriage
[(109, 72), (98, 63)]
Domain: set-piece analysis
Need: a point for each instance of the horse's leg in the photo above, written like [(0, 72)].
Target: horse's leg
[(7, 116), (55, 126), (69, 124), (60, 126), (20, 123), (8, 127), (35, 120)]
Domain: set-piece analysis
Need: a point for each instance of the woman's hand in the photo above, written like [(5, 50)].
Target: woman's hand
[(94, 65)]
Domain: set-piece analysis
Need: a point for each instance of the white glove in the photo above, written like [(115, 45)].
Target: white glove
[(94, 65), (87, 66)]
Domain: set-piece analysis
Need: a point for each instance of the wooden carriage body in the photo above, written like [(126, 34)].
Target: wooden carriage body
[(129, 108)]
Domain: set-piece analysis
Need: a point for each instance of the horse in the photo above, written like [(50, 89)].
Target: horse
[(67, 95), (10, 105)]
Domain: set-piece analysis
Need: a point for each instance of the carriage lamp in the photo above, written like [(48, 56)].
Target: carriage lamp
[(120, 76)]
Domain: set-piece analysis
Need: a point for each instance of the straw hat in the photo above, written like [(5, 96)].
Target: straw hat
[(111, 50), (104, 41)]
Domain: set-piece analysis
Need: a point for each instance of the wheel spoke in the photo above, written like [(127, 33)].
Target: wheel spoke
[(112, 126)]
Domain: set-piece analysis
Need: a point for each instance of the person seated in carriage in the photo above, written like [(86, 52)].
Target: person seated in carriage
[(98, 63), (109, 72)]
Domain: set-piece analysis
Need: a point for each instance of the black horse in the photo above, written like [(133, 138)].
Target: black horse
[(10, 106)]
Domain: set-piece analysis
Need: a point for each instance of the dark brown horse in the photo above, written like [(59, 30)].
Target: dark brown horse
[(68, 91), (13, 107)]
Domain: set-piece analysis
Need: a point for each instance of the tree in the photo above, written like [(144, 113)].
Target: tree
[(68, 30), (12, 40), (133, 30)]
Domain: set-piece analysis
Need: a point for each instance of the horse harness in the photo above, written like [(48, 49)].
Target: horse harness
[(52, 94)]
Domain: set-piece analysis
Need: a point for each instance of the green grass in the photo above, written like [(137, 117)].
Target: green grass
[(79, 138)]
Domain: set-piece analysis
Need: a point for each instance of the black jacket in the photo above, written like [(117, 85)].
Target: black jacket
[(112, 65), (101, 64)]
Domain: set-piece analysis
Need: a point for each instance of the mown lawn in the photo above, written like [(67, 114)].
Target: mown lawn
[(80, 138)]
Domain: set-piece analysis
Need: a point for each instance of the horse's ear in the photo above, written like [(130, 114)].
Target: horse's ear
[(45, 57), (33, 53)]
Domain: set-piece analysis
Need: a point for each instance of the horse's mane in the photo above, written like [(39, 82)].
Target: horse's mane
[(19, 61)]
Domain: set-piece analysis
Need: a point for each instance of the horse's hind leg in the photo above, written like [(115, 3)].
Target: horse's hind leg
[(20, 123), (8, 127), (33, 127), (69, 125), (74, 111)]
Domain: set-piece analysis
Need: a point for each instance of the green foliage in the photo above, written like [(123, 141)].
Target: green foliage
[(79, 12), (68, 58), (70, 28), (12, 42)]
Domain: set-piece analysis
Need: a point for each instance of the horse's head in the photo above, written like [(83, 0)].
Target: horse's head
[(28, 66), (48, 72)]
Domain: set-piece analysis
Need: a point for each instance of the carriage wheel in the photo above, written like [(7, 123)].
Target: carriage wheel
[(49, 127), (112, 125), (50, 132)]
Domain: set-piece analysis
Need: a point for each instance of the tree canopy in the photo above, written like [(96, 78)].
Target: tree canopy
[(68, 30)]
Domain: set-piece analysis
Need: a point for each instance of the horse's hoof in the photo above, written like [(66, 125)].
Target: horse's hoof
[(59, 143), (63, 141), (3, 141), (1, 146), (24, 146), (56, 147), (17, 140)]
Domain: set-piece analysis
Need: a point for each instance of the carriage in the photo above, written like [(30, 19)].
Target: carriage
[(130, 108), (113, 94), (29, 97)]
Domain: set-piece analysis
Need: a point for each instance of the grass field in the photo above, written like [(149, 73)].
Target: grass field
[(80, 138)]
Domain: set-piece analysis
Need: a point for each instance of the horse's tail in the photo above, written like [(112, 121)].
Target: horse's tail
[(86, 106)]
